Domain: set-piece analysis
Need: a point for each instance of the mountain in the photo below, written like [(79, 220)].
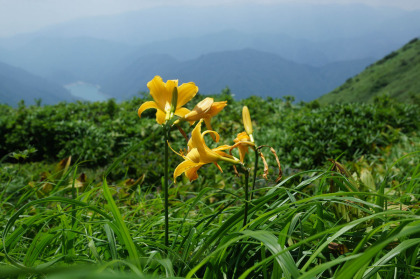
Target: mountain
[(66, 60), (246, 72), (308, 34), (17, 84), (320, 45), (396, 75)]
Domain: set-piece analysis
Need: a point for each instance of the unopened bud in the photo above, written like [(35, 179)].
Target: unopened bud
[(247, 121)]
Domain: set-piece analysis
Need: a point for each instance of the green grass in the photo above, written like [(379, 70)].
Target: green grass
[(396, 75), (291, 227), (356, 216)]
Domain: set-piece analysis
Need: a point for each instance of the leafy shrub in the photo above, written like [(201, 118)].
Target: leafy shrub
[(305, 136)]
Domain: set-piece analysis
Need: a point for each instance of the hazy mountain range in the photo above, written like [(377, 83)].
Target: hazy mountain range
[(273, 50), (17, 84)]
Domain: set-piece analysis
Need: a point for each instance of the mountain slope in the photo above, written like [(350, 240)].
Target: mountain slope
[(246, 72), (66, 60), (397, 75), (17, 84)]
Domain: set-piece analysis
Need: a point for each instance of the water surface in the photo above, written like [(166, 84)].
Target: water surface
[(86, 91)]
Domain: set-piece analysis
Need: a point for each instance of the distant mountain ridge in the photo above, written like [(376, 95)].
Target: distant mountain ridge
[(397, 75), (17, 84), (246, 72), (308, 49)]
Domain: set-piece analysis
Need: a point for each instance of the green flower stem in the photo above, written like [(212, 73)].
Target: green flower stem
[(246, 197), (255, 172), (165, 184)]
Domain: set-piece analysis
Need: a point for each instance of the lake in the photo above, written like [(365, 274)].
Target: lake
[(86, 91)]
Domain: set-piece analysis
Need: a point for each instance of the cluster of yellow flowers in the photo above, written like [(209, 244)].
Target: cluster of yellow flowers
[(169, 99)]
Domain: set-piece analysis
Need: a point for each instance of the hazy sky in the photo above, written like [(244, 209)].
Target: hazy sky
[(19, 16)]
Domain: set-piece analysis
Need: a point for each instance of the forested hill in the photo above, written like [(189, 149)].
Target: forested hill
[(396, 75), (17, 84)]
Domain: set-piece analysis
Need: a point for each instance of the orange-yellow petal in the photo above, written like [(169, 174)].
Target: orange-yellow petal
[(200, 110), (222, 147), (185, 93), (216, 108), (242, 137), (159, 92), (185, 166), (160, 117), (146, 105), (215, 136), (181, 112), (207, 121), (243, 149), (192, 172), (193, 155), (197, 141), (170, 85)]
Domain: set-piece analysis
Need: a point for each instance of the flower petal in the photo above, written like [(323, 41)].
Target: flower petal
[(215, 136), (192, 172), (193, 155), (185, 93), (222, 147), (197, 141), (200, 110), (184, 167), (217, 107), (243, 149), (146, 105), (208, 125), (181, 112), (170, 85), (159, 92), (160, 117)]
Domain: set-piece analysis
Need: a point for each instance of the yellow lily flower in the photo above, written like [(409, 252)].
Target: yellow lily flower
[(205, 110), (162, 98), (200, 154), (242, 141), (245, 139)]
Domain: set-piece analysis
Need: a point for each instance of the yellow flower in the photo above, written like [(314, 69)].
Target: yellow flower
[(162, 98), (242, 141), (205, 110), (200, 154)]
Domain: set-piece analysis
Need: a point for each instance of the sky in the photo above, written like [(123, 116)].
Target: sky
[(22, 16)]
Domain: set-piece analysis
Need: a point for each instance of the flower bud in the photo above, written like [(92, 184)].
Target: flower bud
[(247, 121)]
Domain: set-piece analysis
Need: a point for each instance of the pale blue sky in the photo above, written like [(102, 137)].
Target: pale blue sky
[(21, 16)]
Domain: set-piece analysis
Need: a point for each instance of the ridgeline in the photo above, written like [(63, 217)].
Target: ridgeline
[(396, 75)]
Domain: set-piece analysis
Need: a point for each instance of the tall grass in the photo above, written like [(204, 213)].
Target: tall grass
[(313, 224)]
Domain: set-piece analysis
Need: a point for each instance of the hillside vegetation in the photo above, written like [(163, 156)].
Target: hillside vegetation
[(81, 193), (396, 75)]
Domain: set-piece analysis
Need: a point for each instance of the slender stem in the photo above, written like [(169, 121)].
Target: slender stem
[(165, 186), (255, 173), (246, 197), (182, 132)]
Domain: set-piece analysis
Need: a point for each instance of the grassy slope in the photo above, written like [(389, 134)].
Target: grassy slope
[(396, 75)]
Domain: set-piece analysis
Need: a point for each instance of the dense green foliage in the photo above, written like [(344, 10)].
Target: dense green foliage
[(100, 215), (304, 136), (396, 75)]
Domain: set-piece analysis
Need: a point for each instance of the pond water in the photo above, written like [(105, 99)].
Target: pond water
[(86, 91)]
